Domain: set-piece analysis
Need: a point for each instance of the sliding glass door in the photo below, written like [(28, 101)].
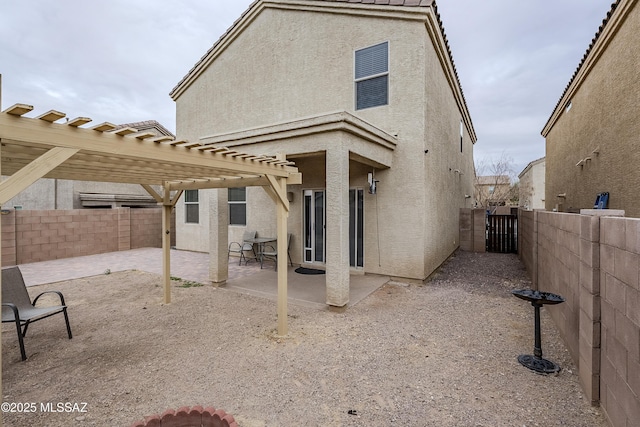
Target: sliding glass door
[(356, 227), (314, 226)]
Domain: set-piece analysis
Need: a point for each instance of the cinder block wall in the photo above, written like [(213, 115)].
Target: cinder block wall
[(472, 230), (146, 228), (466, 229), (594, 262), (558, 271), (8, 237), (32, 235), (525, 234), (620, 308), (53, 234)]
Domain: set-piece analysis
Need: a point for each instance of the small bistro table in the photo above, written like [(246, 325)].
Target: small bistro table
[(260, 242)]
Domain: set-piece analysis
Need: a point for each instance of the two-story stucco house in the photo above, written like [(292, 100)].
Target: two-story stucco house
[(359, 94), (592, 134), (531, 185)]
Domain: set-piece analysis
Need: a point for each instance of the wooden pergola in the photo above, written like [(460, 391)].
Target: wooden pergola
[(34, 148)]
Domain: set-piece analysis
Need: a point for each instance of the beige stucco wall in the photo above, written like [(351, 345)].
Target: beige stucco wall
[(444, 188), (48, 193), (604, 116), (193, 237), (288, 65)]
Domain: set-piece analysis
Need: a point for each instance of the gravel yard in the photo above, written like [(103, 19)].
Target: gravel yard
[(438, 354)]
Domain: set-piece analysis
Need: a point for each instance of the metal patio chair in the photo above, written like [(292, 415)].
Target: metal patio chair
[(272, 253), (240, 248), (18, 308)]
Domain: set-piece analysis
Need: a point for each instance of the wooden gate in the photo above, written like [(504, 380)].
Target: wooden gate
[(502, 233)]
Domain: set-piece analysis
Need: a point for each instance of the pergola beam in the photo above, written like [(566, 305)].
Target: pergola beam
[(33, 171), (42, 134), (219, 183), (153, 193), (279, 192)]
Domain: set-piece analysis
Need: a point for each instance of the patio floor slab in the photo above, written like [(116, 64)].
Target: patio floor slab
[(307, 290)]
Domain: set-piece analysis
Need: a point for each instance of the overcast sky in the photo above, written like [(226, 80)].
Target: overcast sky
[(118, 60)]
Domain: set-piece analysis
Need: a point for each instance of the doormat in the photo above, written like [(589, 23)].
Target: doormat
[(303, 270)]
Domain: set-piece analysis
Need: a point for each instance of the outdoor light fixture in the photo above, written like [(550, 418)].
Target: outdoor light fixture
[(372, 183)]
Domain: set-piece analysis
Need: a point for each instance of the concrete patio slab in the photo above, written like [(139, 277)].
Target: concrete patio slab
[(307, 290)]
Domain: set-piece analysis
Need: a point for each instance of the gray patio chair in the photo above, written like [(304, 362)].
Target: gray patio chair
[(271, 253), (18, 308), (241, 248)]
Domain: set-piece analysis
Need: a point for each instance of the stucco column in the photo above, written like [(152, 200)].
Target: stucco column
[(337, 225), (218, 236)]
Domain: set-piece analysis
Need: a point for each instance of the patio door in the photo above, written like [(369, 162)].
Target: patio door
[(314, 226), (356, 227)]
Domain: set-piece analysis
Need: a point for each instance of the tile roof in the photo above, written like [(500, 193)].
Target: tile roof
[(146, 125)]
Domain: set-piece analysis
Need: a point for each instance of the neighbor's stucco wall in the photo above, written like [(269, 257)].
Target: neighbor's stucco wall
[(531, 186), (46, 193), (41, 196), (604, 116)]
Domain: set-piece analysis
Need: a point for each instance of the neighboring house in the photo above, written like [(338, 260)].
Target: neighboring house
[(531, 185), (49, 194), (592, 134), (358, 94), (493, 190)]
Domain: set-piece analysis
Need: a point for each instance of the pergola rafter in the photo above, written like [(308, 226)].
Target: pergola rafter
[(34, 148)]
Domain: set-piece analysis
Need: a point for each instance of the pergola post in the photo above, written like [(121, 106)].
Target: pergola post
[(281, 218), (277, 190), (166, 244)]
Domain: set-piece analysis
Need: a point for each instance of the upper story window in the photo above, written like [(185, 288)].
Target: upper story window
[(461, 134), (238, 206), (372, 76), (192, 207)]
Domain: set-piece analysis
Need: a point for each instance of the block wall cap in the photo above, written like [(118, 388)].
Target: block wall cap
[(602, 212)]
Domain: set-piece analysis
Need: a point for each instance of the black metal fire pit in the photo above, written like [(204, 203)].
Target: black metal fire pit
[(537, 300)]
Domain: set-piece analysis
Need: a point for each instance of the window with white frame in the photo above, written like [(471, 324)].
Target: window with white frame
[(372, 76), (238, 206), (192, 207)]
